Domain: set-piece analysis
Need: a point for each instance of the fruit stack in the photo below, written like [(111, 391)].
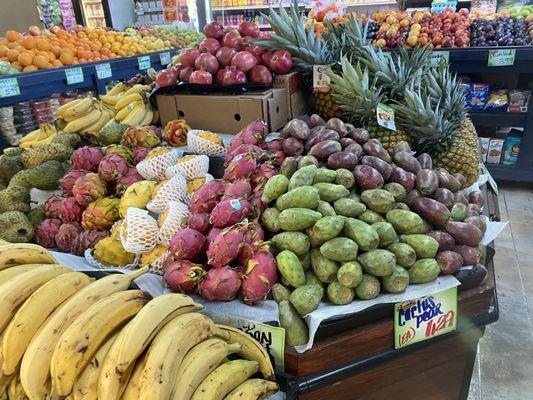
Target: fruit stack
[(130, 104), (64, 335), (503, 31)]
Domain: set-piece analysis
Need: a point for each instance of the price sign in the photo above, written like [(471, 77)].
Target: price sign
[(74, 75), (320, 79), (501, 58), (438, 56), (425, 318), (165, 58), (439, 6), (385, 117), (103, 71), (491, 180), (144, 62), (9, 87)]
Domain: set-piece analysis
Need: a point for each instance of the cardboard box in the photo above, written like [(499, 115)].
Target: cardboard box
[(224, 113), (298, 98)]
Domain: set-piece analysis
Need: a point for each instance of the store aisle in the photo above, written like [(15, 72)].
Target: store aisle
[(505, 360)]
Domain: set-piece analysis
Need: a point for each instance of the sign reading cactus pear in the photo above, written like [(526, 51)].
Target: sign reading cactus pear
[(103, 71), (74, 75), (9, 87), (385, 117), (425, 318), (501, 58)]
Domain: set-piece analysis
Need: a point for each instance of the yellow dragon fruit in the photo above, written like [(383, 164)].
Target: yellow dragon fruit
[(137, 195), (109, 251), (101, 214)]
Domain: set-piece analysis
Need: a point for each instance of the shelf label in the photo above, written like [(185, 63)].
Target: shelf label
[(490, 179), (9, 87), (165, 58), (425, 318), (74, 75), (144, 62), (501, 58), (103, 71), (438, 56), (385, 117)]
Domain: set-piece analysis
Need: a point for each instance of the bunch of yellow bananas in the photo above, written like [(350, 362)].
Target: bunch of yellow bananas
[(66, 336), (83, 116), (43, 135), (130, 103)]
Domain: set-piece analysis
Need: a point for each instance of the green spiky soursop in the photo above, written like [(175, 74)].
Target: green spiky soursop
[(13, 151), (68, 139), (15, 227), (15, 198), (111, 133), (47, 175), (9, 166), (32, 158), (36, 216)]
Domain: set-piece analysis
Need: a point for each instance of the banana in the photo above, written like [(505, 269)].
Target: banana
[(127, 99), (148, 117), (122, 114), (15, 291), (86, 386), (224, 379), (132, 389), (251, 349), (118, 88), (253, 389), (35, 366), (135, 338), (65, 107), (35, 135), (5, 380), (15, 391), (155, 119), (136, 116), (81, 340), (109, 99), (11, 272), (33, 313), (138, 88), (80, 109), (83, 122), (98, 125), (199, 362), (24, 253), (167, 351)]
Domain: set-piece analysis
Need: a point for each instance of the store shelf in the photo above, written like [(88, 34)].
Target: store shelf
[(499, 119), (366, 4), (511, 174), (258, 7)]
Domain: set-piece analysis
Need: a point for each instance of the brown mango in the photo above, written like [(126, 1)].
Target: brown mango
[(431, 210), (464, 233)]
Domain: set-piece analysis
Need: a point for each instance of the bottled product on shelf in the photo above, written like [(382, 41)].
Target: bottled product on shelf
[(236, 19)]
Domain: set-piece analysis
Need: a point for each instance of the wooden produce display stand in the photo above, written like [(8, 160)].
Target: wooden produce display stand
[(362, 363)]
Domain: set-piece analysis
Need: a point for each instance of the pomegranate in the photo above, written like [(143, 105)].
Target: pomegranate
[(266, 57), (207, 62), (220, 75), (185, 74), (260, 74), (188, 57), (256, 50), (214, 30), (233, 77), (209, 45), (244, 61), (248, 28), (224, 55), (201, 77), (281, 62), (232, 39)]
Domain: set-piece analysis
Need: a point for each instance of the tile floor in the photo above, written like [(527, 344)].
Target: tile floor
[(505, 355)]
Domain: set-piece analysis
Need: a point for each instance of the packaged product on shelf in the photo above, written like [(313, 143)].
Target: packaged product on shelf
[(477, 96), (495, 151), (512, 148), (484, 147), (498, 101), (519, 100)]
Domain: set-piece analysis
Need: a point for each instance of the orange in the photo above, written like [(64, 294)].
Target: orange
[(25, 58), (56, 63), (41, 62), (13, 36), (66, 57), (12, 55), (17, 66), (29, 43), (51, 56), (43, 45), (56, 50), (3, 50), (30, 68), (83, 60)]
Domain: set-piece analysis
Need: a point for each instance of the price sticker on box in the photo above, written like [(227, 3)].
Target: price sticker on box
[(385, 117), (438, 56), (9, 87), (501, 58), (165, 58), (425, 318), (74, 75), (144, 62), (103, 71)]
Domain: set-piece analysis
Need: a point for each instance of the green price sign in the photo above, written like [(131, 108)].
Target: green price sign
[(165, 58), (425, 318), (144, 62), (438, 56), (9, 87), (103, 71), (74, 75), (501, 58)]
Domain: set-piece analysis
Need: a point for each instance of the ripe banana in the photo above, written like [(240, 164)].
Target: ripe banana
[(11, 272), (35, 135), (15, 391), (35, 366), (122, 114), (86, 386), (14, 292), (87, 120), (109, 99), (251, 349), (118, 88), (24, 253), (127, 99), (78, 110), (81, 340), (199, 362), (138, 88), (253, 389), (71, 104), (135, 338), (98, 125), (132, 390), (5, 380), (166, 353), (33, 313), (136, 115), (148, 117), (224, 379)]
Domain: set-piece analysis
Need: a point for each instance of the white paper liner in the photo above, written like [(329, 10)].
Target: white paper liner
[(199, 145), (138, 232), (154, 168), (196, 167), (173, 190)]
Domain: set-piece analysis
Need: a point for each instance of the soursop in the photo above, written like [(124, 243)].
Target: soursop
[(111, 133), (9, 166), (32, 158), (15, 198), (36, 216), (15, 227), (68, 139)]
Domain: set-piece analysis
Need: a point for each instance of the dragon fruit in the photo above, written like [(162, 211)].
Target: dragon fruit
[(140, 136), (176, 132), (242, 166), (86, 158), (243, 149), (140, 154), (112, 167), (66, 235), (157, 130), (257, 205), (199, 222), (243, 138), (127, 180), (262, 174), (87, 240), (52, 206), (220, 284), (257, 127), (123, 151), (67, 182), (279, 157), (260, 275), (207, 197), (101, 214), (70, 210), (187, 244), (229, 212), (226, 246), (213, 233), (253, 236), (183, 276), (239, 189), (89, 188), (46, 232)]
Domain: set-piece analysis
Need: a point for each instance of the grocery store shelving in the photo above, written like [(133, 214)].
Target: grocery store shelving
[(511, 174), (255, 7), (499, 118), (308, 6)]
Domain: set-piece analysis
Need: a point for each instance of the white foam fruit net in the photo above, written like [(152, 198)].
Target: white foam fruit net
[(171, 221), (200, 145), (173, 190), (208, 178), (158, 266), (194, 167), (154, 168), (138, 231)]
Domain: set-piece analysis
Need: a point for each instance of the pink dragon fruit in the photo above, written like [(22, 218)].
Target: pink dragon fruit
[(87, 240), (70, 210), (260, 275), (256, 204), (66, 235), (274, 144), (127, 180), (86, 158), (51, 207), (112, 167), (239, 189), (140, 154), (199, 222), (229, 212), (242, 166), (67, 182), (206, 198), (187, 244), (89, 188), (213, 233), (243, 137), (253, 236), (157, 130), (243, 149), (257, 127), (46, 232), (220, 284), (262, 174), (279, 157), (183, 276), (226, 246)]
